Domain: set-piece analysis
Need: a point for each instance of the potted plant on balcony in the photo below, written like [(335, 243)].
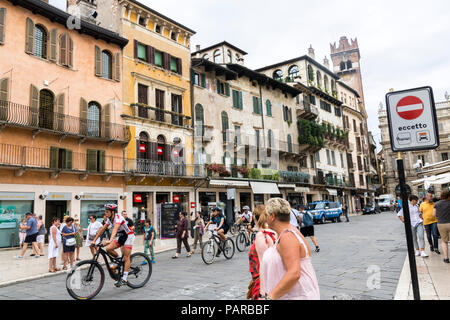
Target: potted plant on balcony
[(255, 174)]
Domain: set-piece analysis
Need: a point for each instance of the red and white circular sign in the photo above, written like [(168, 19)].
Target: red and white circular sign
[(410, 108)]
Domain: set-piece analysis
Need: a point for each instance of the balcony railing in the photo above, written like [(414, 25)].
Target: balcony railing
[(164, 168), (294, 177), (161, 115), (21, 115), (307, 110), (330, 181)]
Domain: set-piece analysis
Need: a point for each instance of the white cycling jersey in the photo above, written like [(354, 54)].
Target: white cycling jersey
[(119, 219)]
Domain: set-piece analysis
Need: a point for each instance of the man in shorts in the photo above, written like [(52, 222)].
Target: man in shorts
[(307, 230), (31, 237), (121, 237)]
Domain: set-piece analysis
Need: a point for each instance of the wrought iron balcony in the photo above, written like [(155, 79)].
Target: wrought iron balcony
[(164, 168), (294, 177), (13, 114), (141, 110)]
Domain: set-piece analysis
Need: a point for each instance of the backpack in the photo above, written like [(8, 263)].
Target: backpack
[(307, 220)]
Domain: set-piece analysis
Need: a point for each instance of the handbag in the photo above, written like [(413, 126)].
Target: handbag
[(71, 242)]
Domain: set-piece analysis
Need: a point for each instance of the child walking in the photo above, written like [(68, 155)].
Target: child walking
[(149, 238)]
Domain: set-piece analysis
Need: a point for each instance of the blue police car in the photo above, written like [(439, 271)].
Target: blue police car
[(325, 210)]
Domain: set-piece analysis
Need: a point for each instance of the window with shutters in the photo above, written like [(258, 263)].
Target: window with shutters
[(160, 105), (257, 107), (46, 109), (106, 64), (65, 50), (333, 158), (225, 126), (142, 52), (95, 160), (142, 98), (177, 108), (158, 58), (268, 108), (173, 64), (289, 143), (61, 159), (199, 121), (93, 119), (40, 42), (328, 157), (2, 25)]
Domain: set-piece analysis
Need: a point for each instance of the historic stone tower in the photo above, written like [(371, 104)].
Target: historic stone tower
[(346, 63)]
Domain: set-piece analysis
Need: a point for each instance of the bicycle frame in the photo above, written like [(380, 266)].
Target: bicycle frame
[(105, 256)]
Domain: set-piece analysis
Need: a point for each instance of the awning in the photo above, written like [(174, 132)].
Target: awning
[(332, 192), (286, 186), (264, 188), (302, 189), (228, 183)]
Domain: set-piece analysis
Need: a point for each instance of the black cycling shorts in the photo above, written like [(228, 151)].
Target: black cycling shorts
[(122, 238)]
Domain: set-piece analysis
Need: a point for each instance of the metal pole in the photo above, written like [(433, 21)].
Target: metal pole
[(408, 230)]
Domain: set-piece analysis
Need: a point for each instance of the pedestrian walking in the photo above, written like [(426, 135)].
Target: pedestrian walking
[(128, 220), (416, 225), (286, 268), (293, 218), (54, 243), (69, 242), (265, 238), (149, 239), (78, 238), (199, 230), (40, 239), (345, 212), (31, 236), (307, 226), (91, 232), (398, 204), (22, 232), (430, 222), (442, 213), (182, 235)]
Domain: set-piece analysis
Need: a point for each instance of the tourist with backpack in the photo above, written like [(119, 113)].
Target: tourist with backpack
[(307, 226), (149, 239)]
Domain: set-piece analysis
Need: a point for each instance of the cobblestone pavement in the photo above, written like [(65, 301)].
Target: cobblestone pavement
[(368, 248)]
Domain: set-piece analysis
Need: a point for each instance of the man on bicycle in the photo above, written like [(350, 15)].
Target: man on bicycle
[(247, 219), (121, 237), (222, 228)]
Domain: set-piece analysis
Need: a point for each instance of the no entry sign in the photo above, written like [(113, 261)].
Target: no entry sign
[(412, 120)]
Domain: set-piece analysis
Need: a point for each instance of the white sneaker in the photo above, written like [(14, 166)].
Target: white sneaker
[(423, 254), (417, 253), (18, 257)]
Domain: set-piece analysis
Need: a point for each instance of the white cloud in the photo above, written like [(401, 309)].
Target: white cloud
[(403, 44)]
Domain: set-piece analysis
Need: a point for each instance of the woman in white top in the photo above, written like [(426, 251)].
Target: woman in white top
[(92, 230), (54, 242)]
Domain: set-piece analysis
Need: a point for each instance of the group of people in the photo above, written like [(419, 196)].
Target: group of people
[(431, 217)]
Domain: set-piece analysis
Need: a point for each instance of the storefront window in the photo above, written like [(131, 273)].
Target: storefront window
[(96, 207), (208, 201), (258, 199), (11, 213), (295, 198), (246, 199)]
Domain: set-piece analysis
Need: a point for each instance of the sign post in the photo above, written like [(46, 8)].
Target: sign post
[(412, 126)]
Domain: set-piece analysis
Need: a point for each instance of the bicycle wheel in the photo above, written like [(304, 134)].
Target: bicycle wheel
[(140, 270), (241, 242), (234, 229), (209, 250), (228, 248), (85, 281)]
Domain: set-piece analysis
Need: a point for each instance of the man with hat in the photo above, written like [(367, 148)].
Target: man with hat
[(31, 237)]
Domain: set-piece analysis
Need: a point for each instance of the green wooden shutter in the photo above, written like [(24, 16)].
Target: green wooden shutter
[(2, 25), (53, 40), (227, 89), (34, 106), (60, 99), (101, 161), (83, 117), (235, 99), (91, 160), (117, 66), (241, 104), (29, 42), (192, 77), (255, 105), (269, 108), (98, 62), (63, 49), (203, 80), (69, 51), (218, 86), (54, 157), (107, 120), (69, 161)]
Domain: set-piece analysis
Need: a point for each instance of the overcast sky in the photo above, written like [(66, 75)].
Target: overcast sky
[(403, 43)]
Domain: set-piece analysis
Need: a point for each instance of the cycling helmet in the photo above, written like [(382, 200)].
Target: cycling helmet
[(111, 207), (245, 208)]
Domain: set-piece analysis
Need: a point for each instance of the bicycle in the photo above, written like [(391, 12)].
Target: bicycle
[(242, 240), (234, 229), (215, 243), (89, 276)]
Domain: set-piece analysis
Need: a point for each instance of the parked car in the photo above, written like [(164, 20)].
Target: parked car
[(325, 210), (371, 208), (386, 202)]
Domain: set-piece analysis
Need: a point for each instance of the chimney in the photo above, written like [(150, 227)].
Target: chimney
[(326, 63), (197, 47), (311, 52)]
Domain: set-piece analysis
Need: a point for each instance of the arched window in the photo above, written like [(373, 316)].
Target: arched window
[(143, 137), (229, 56), (289, 143), (319, 78), (333, 85), (143, 147), (278, 75), (342, 65), (237, 58), (218, 56), (40, 42), (310, 73), (225, 126), (349, 64), (325, 82), (106, 65), (93, 119), (46, 109), (294, 72), (161, 152), (199, 121), (206, 56)]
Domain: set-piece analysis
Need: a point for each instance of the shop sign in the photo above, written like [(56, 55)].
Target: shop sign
[(142, 147), (192, 205), (176, 198), (100, 196), (58, 196), (137, 198), (16, 196), (231, 194), (160, 151)]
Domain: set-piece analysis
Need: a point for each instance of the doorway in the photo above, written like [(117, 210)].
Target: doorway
[(54, 209)]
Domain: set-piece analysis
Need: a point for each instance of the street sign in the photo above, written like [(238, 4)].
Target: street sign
[(412, 120)]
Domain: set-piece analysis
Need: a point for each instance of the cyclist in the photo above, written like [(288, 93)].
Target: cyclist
[(222, 228), (121, 237), (247, 218)]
